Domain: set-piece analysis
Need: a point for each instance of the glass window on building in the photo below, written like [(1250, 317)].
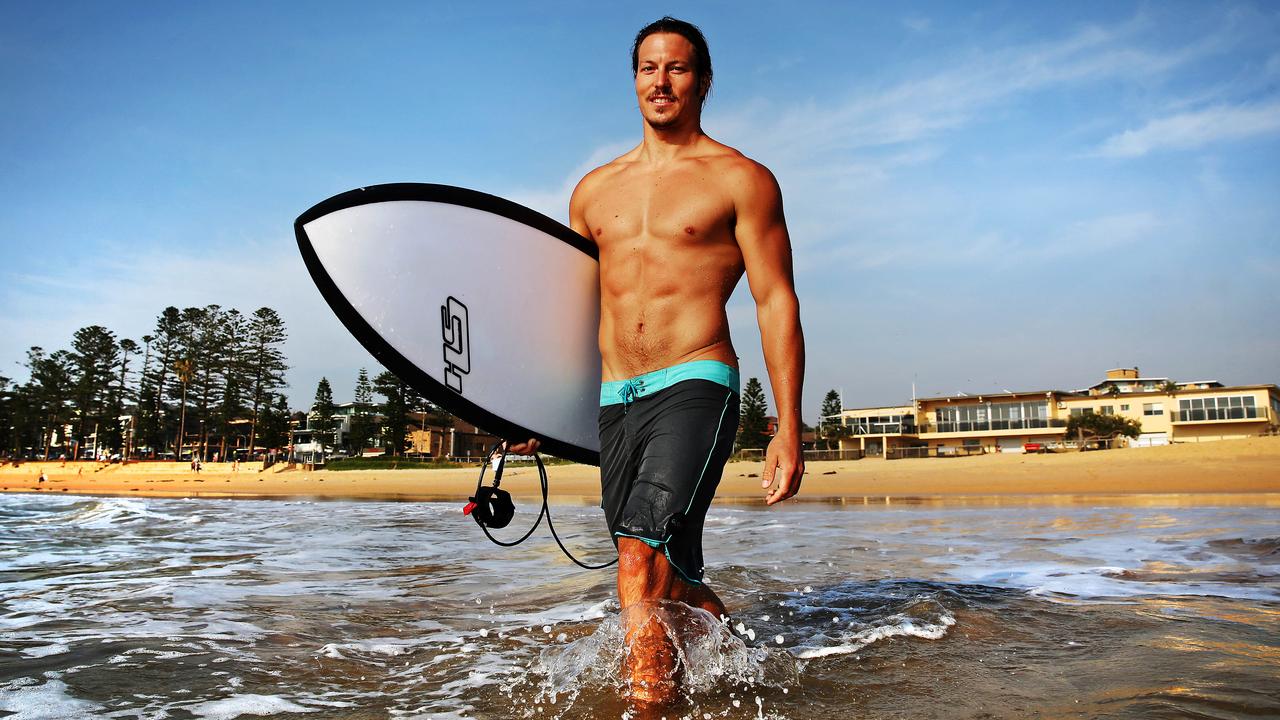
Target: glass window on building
[(1235, 407), (1108, 410), (1152, 408), (1124, 408)]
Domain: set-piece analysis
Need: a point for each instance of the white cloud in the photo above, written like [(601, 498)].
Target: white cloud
[(917, 23), (1195, 129), (555, 203), (923, 107), (1094, 237), (124, 291)]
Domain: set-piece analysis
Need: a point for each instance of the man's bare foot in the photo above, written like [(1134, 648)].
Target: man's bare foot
[(650, 664)]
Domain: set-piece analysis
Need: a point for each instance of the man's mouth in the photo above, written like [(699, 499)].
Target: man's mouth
[(661, 99)]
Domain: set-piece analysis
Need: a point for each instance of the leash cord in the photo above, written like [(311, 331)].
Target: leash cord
[(544, 512)]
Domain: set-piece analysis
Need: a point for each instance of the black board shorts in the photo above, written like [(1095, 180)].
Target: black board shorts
[(664, 439)]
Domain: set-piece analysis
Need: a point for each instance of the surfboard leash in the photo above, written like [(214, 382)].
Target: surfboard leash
[(491, 507)]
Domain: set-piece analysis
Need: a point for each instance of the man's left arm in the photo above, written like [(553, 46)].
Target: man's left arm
[(761, 232)]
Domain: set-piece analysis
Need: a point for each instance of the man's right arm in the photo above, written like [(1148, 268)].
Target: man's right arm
[(578, 207)]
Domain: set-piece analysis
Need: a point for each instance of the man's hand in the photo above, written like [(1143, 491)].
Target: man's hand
[(783, 463), (528, 447)]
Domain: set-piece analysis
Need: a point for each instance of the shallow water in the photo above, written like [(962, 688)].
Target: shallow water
[(137, 608)]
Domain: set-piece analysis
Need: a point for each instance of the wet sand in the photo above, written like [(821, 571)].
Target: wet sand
[(1250, 466)]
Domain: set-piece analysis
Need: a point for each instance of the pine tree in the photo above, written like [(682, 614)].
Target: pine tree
[(830, 424), (203, 345), (321, 418), (121, 399), (94, 357), (160, 421), (395, 410), (266, 363), (7, 429), (233, 343), (46, 399), (752, 424), (362, 415), (274, 423)]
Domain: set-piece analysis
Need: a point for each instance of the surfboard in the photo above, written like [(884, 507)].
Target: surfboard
[(486, 307)]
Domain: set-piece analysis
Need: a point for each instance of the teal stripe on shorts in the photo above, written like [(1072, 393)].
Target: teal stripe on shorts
[(628, 391)]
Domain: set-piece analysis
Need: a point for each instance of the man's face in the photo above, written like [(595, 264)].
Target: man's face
[(667, 80)]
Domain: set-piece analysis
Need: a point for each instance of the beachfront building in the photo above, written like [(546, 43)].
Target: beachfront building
[(964, 424), (878, 430)]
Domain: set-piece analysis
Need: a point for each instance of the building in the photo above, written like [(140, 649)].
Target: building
[(962, 424), (426, 435)]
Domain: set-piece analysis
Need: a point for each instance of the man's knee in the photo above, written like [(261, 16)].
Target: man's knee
[(642, 569), (636, 557)]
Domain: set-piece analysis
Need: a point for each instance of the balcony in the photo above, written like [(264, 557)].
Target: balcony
[(1220, 415), (992, 425), (882, 429)]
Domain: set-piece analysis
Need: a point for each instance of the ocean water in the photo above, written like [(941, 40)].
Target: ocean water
[(218, 609)]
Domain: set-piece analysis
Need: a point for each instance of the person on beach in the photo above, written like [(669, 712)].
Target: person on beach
[(677, 220)]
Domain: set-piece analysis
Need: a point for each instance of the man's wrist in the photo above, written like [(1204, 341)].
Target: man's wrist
[(791, 426)]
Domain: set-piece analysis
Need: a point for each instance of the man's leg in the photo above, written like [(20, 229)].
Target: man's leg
[(649, 657), (700, 596), (645, 576)]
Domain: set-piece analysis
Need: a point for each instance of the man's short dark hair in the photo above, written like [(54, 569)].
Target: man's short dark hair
[(688, 31)]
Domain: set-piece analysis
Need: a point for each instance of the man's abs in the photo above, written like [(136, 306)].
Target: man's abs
[(662, 301), (638, 339)]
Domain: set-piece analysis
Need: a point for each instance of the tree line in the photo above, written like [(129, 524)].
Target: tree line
[(206, 380), (385, 422)]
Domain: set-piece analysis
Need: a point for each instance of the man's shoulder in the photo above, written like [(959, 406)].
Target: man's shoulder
[(596, 179), (738, 171)]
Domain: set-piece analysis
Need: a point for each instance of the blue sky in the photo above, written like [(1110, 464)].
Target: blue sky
[(981, 196)]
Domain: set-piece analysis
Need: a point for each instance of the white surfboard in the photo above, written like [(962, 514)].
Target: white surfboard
[(486, 307)]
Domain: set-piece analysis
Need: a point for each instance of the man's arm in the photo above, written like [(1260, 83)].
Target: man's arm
[(761, 231)]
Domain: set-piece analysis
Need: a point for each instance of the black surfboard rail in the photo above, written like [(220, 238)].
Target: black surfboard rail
[(392, 359)]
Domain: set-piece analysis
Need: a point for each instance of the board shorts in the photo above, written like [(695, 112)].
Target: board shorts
[(664, 439)]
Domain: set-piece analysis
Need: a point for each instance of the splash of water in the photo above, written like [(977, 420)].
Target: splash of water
[(709, 658)]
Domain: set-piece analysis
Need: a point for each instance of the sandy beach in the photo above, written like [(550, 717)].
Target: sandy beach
[(1250, 466)]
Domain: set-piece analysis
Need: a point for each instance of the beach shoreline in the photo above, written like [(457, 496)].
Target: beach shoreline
[(1238, 471)]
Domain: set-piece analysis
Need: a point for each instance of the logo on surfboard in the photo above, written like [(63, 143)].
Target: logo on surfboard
[(457, 342)]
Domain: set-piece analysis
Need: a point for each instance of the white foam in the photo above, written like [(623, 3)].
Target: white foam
[(49, 701), (110, 512), (373, 646), (894, 626), (45, 650), (241, 705), (574, 612)]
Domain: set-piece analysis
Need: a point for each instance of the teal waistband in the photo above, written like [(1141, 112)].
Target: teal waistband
[(628, 391)]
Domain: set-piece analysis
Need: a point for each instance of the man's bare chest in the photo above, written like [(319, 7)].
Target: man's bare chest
[(679, 208)]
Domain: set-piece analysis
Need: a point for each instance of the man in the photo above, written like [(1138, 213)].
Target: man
[(677, 220)]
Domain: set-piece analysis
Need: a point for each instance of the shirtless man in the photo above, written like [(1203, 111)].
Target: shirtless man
[(677, 220)]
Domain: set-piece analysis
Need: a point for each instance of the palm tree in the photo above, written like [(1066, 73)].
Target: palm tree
[(146, 362), (185, 369)]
